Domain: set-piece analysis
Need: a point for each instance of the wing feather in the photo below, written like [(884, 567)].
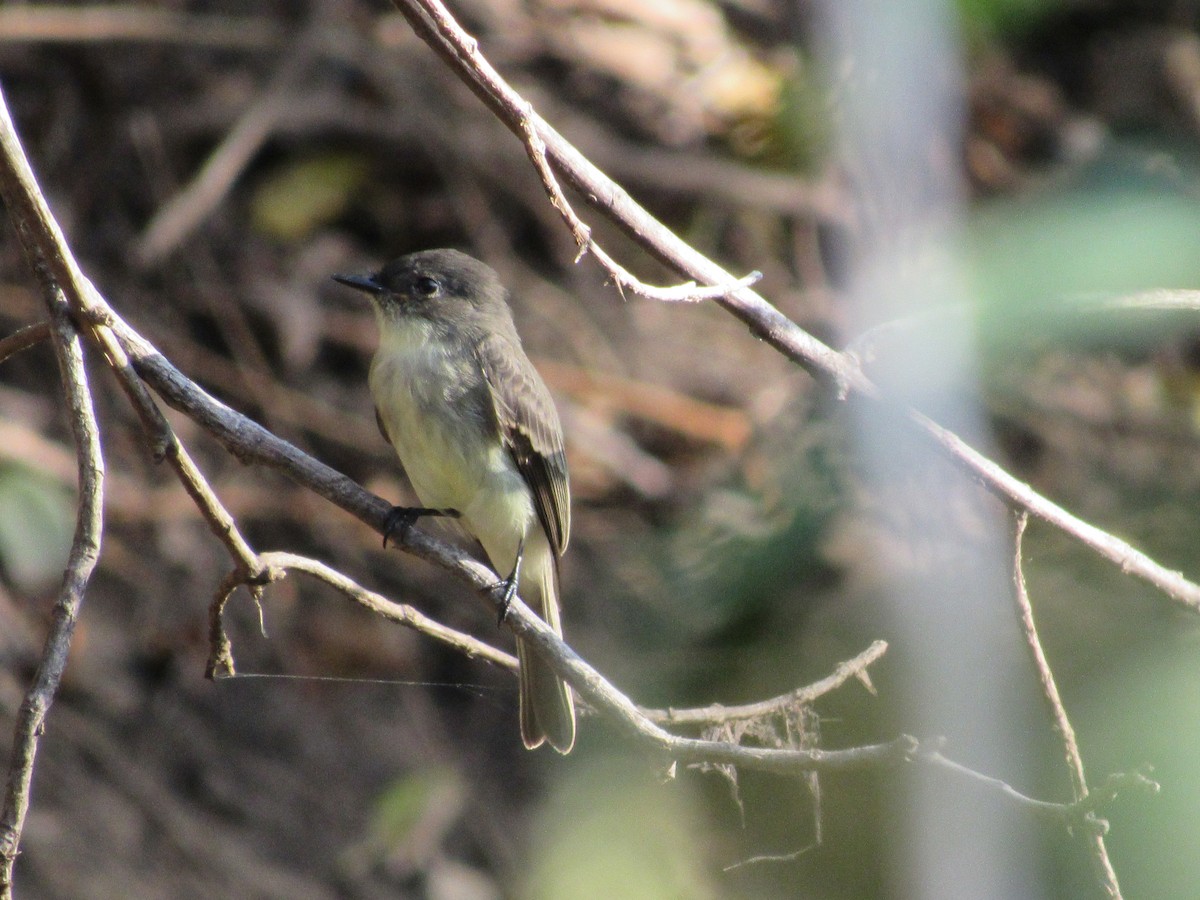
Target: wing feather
[(531, 432)]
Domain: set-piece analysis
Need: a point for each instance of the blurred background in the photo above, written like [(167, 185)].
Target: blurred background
[(213, 163)]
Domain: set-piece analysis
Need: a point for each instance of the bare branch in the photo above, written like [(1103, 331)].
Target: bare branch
[(85, 550), (276, 564), (23, 339), (718, 714), (1081, 814), (33, 223), (166, 445), (582, 233), (434, 24), (1049, 689), (1105, 873)]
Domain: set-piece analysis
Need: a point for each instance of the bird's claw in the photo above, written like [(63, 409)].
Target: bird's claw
[(508, 586)]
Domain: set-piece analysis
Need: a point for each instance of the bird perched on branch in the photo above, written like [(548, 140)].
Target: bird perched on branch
[(480, 440)]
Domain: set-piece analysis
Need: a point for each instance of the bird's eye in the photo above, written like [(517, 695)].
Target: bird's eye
[(428, 286)]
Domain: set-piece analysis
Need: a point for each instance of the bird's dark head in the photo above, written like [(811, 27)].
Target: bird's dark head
[(433, 284)]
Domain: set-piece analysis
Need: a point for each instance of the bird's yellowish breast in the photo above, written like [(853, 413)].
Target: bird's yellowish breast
[(432, 399)]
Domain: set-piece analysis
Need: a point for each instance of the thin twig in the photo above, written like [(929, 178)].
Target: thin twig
[(166, 445), (276, 564), (1033, 641), (23, 339), (621, 276), (771, 858), (1079, 815), (582, 233), (1105, 873), (52, 264), (434, 24), (719, 715), (85, 550)]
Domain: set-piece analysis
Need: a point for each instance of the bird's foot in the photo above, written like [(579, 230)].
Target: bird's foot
[(507, 587)]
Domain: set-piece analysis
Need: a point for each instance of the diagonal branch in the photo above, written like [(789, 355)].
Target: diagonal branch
[(621, 277), (166, 445), (434, 24)]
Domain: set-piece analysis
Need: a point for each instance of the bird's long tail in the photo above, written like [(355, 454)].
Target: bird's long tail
[(547, 710)]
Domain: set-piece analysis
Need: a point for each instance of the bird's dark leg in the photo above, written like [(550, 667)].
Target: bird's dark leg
[(508, 586), (402, 518)]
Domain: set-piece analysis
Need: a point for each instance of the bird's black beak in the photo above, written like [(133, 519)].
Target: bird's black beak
[(365, 283)]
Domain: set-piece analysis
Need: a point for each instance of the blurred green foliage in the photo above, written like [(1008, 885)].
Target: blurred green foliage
[(1146, 710), (1004, 15), (799, 136), (409, 820), (609, 830), (296, 199), (1038, 256), (36, 524)]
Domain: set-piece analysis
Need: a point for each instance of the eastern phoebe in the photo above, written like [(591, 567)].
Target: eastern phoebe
[(479, 437)]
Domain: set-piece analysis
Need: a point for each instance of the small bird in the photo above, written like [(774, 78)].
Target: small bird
[(479, 438)]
